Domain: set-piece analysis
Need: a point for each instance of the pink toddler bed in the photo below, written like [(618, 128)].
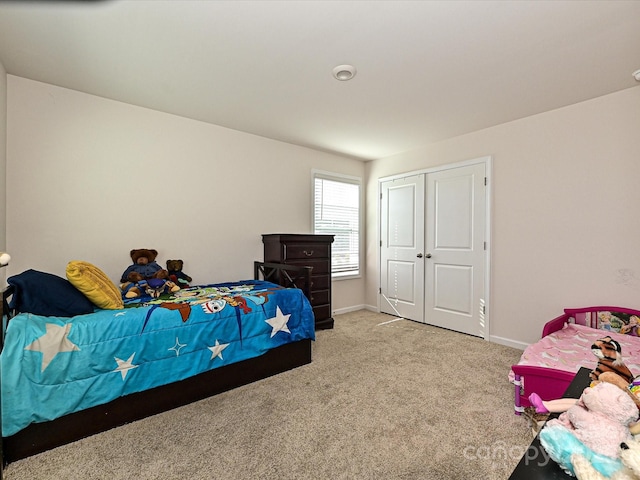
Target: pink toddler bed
[(548, 366)]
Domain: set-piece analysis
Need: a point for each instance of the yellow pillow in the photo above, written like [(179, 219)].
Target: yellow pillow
[(94, 284)]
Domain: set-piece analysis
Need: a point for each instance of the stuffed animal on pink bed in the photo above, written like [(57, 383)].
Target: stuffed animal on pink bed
[(600, 419)]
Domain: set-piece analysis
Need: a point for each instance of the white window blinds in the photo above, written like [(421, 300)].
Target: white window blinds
[(337, 212)]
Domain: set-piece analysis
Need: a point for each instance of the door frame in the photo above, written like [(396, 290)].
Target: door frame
[(487, 161)]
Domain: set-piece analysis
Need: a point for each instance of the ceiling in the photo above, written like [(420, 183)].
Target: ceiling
[(426, 70)]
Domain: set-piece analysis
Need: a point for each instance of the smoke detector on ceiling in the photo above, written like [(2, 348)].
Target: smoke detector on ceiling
[(636, 75), (344, 72)]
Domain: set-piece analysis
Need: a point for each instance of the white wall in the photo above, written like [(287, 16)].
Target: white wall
[(565, 210), (3, 164), (90, 178)]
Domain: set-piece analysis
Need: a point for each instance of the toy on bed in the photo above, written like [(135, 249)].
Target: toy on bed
[(145, 276), (176, 275), (548, 366), (594, 427)]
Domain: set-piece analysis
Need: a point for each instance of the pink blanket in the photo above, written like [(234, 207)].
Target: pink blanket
[(570, 348)]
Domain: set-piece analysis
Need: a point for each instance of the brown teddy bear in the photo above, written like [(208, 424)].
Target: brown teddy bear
[(144, 263), (145, 276), (176, 274)]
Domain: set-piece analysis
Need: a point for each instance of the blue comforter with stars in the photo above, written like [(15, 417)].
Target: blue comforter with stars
[(53, 366)]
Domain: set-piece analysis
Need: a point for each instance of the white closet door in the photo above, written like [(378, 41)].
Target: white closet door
[(402, 247), (455, 246)]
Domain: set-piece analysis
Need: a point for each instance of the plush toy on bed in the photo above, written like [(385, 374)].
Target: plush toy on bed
[(176, 274), (610, 368), (144, 263), (134, 287), (145, 276), (594, 427), (154, 287), (609, 354)]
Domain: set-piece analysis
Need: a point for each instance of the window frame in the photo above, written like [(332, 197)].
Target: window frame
[(341, 178)]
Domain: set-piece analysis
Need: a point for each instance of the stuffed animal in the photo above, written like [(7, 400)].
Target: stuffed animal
[(159, 286), (564, 448), (609, 355), (134, 286), (144, 263), (610, 368), (629, 455), (597, 424), (174, 267), (154, 287)]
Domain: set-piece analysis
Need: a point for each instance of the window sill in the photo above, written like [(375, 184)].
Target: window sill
[(344, 276)]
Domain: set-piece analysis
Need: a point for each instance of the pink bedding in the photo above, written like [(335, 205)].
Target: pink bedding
[(569, 349)]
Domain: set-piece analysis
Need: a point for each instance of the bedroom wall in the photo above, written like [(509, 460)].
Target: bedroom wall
[(3, 165), (90, 178), (564, 210)]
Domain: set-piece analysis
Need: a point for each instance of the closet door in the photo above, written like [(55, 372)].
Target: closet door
[(402, 247), (455, 246), (433, 258)]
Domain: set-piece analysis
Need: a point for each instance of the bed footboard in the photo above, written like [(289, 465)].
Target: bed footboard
[(546, 382), (289, 276)]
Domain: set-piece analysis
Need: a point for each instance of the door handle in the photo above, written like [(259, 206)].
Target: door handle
[(428, 255), (419, 255)]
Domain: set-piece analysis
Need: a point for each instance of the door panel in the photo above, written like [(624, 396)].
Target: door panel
[(455, 240), (457, 296), (402, 239)]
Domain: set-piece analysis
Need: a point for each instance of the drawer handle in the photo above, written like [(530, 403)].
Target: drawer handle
[(308, 254)]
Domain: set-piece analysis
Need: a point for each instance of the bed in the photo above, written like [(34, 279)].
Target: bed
[(548, 366), (67, 377)]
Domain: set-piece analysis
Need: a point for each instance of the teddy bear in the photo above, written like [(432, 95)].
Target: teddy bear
[(145, 276), (135, 285), (594, 426), (144, 263), (174, 267), (154, 287)]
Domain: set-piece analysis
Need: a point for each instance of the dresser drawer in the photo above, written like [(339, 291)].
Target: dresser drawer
[(319, 266), (305, 251), (322, 312), (318, 282), (319, 297)]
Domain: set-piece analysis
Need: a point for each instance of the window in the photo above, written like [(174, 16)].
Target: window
[(337, 212)]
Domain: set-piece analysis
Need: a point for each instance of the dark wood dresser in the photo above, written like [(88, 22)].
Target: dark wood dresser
[(306, 250)]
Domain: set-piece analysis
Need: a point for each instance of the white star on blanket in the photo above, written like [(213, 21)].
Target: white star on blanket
[(279, 322), (124, 367), (53, 342), (177, 347), (216, 350)]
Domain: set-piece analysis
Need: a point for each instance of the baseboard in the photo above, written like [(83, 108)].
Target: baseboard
[(355, 308), (507, 342)]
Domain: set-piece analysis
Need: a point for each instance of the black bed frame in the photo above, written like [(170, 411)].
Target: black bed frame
[(39, 437)]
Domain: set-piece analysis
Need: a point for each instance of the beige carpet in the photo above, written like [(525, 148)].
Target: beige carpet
[(399, 400)]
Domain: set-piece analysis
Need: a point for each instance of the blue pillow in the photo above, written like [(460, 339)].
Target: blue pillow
[(43, 293)]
